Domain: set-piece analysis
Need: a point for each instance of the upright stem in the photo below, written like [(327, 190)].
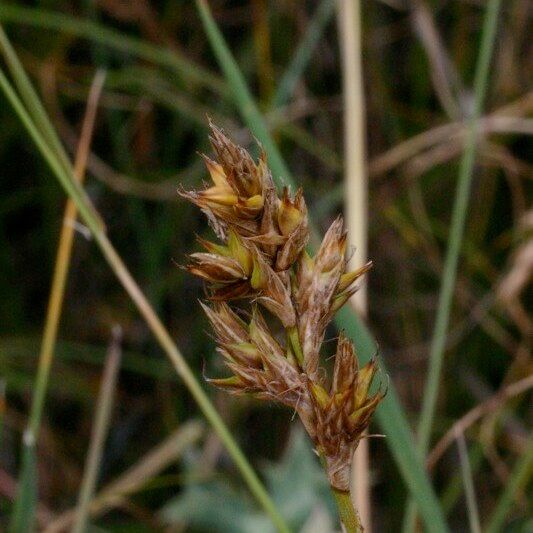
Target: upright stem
[(347, 512), (356, 201), (455, 239)]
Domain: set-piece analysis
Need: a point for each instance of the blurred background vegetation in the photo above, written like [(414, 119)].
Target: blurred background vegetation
[(162, 80)]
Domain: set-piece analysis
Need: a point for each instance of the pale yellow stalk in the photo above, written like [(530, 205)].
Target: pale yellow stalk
[(356, 201)]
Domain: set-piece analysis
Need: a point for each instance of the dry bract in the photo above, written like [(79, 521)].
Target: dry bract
[(263, 258)]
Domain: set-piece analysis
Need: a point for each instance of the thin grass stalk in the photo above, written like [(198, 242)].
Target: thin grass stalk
[(29, 97), (390, 413), (468, 482), (457, 225), (147, 312), (356, 204), (454, 488), (520, 475), (23, 513), (100, 429)]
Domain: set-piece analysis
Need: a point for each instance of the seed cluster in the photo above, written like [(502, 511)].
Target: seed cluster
[(263, 258)]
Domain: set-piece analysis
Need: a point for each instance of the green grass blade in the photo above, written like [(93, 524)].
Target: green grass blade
[(455, 486), (28, 95), (38, 113), (187, 70), (304, 52), (457, 225), (520, 475), (242, 96), (159, 331), (390, 414), (85, 208)]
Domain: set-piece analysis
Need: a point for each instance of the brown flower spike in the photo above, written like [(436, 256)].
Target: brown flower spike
[(262, 258)]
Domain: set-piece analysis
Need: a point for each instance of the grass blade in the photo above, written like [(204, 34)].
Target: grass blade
[(390, 414), (149, 466), (147, 312), (242, 96), (28, 473), (37, 111), (460, 207)]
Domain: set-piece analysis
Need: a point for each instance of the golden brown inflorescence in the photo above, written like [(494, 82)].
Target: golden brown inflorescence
[(262, 257)]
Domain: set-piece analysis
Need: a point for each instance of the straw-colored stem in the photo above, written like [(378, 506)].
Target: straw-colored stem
[(184, 371), (356, 202), (22, 514), (62, 264), (100, 429)]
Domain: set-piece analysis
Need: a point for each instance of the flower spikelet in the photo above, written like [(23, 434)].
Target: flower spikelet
[(343, 412), (258, 362), (262, 257), (317, 281)]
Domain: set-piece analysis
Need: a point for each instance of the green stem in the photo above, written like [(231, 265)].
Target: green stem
[(347, 513), (457, 226), (146, 310)]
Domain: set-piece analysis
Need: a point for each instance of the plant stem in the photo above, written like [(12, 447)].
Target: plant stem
[(304, 52), (356, 203), (347, 512)]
